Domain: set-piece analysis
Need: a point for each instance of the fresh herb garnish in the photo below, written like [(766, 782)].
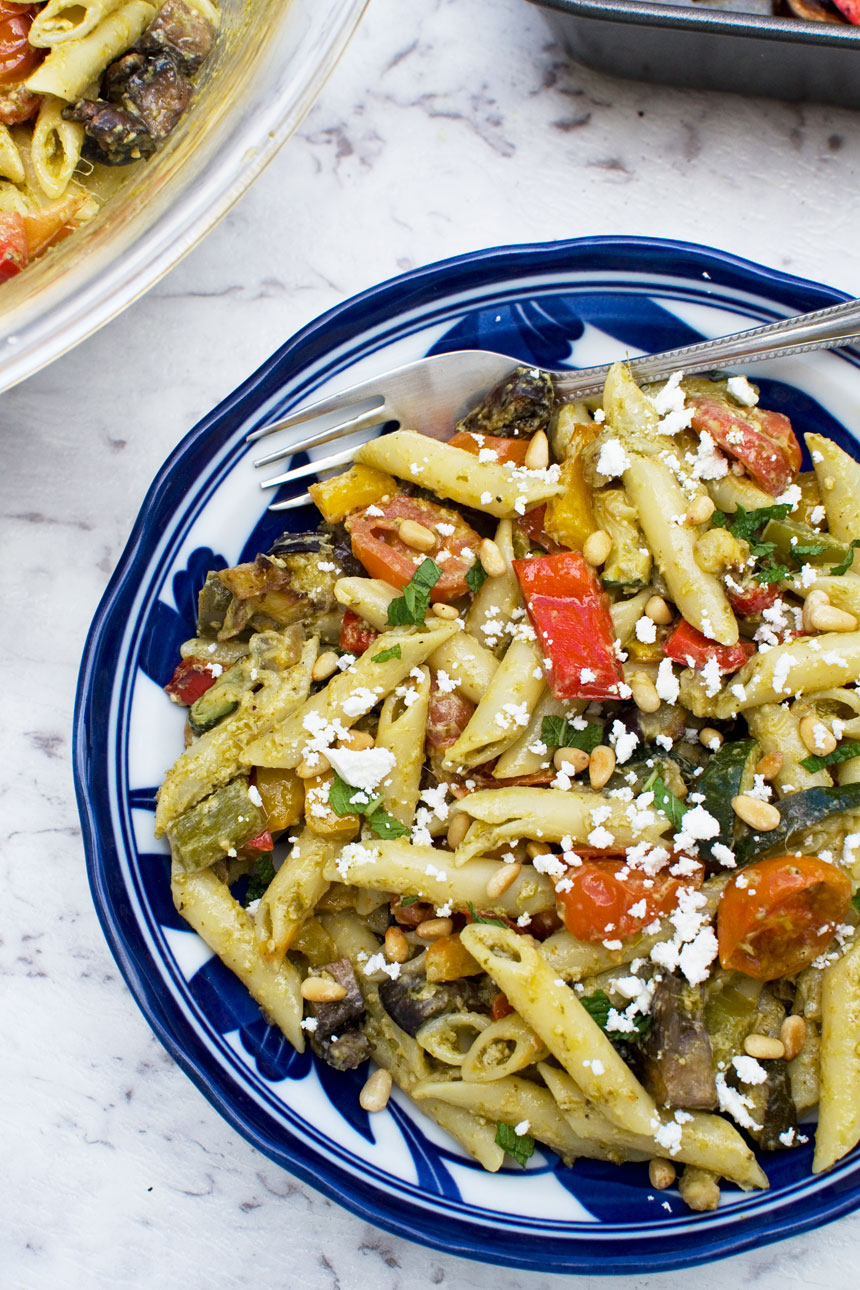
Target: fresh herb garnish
[(855, 901), (344, 799), (260, 878), (385, 825), (405, 901), (665, 800), (480, 918), (809, 548), (842, 752), (744, 524), (384, 655), (476, 577), (518, 1145), (598, 1006), (838, 569), (558, 732), (411, 608)]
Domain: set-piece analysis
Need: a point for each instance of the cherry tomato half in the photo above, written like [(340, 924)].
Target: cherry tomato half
[(356, 635), (17, 56), (376, 543), (777, 915), (606, 899), (763, 442), (14, 252)]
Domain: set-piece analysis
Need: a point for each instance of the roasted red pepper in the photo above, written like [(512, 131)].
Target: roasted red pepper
[(763, 442), (259, 846), (691, 648), (571, 616), (356, 635), (192, 678), (749, 598), (511, 451)]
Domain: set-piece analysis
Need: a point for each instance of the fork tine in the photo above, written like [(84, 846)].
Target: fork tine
[(365, 421), (312, 468), (291, 503), (339, 402)]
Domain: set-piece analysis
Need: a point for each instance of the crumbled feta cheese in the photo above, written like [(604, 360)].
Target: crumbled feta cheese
[(667, 684), (735, 1103), (613, 460), (360, 701), (254, 794), (364, 768), (749, 1070), (646, 630), (741, 391), (624, 741)]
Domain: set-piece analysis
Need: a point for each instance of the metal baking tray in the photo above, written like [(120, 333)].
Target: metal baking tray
[(713, 48)]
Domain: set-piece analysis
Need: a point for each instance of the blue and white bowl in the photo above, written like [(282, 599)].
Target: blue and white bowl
[(565, 304)]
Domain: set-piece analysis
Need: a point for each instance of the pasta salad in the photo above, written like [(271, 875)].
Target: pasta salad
[(85, 86), (532, 779)]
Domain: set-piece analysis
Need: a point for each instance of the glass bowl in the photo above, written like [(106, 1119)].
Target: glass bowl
[(268, 66)]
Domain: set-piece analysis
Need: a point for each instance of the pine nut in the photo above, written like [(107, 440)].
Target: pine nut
[(764, 1047), (645, 694), (575, 757), (596, 547), (316, 989), (445, 611), (417, 536), (759, 815), (325, 666), (396, 945), (661, 1174), (457, 829), (357, 741), (537, 453), (312, 765), (502, 879), (700, 511), (434, 928), (792, 1032), (815, 735), (658, 611), (812, 602), (492, 559), (827, 618), (601, 765), (537, 849), (376, 1092), (769, 765), (710, 738)]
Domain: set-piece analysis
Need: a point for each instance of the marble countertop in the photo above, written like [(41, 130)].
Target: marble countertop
[(449, 125)]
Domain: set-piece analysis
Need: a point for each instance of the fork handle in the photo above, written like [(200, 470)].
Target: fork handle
[(798, 335)]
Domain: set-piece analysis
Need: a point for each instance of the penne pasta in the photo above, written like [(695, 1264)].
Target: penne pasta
[(453, 473), (838, 1128), (504, 710), (401, 730), (56, 147), (62, 20), (798, 667), (72, 65), (293, 893)]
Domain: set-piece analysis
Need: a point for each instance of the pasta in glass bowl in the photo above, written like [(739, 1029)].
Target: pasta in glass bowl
[(553, 892), (134, 222)]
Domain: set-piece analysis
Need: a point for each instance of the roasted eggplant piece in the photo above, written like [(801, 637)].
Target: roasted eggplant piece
[(180, 31), (114, 136), (411, 1000), (338, 1038), (152, 88), (772, 1106), (517, 408), (677, 1062), (273, 592)]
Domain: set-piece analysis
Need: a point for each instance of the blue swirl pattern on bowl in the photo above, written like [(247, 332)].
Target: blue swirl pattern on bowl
[(565, 304)]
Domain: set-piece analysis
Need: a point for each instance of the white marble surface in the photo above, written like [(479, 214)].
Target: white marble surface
[(449, 125)]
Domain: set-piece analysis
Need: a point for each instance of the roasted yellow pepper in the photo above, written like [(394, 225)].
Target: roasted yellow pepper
[(283, 795), (356, 488), (569, 518)]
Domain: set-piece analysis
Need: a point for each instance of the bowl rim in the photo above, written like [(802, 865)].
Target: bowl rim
[(346, 321), (69, 318)]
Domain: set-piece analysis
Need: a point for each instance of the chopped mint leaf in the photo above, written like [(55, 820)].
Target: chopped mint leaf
[(838, 569), (855, 901), (260, 878), (665, 801), (558, 732), (411, 608), (385, 826), (597, 1005), (518, 1145), (385, 654), (480, 918), (342, 799), (476, 577)]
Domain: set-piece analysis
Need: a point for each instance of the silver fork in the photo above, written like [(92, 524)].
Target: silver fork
[(431, 394)]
